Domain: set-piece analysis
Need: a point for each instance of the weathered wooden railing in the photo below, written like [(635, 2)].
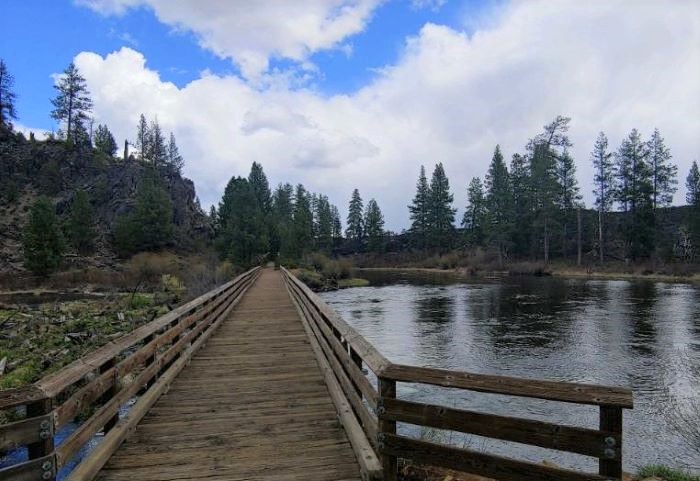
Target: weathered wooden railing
[(94, 386), (370, 414)]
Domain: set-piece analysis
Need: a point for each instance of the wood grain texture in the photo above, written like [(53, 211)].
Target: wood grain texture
[(252, 404)]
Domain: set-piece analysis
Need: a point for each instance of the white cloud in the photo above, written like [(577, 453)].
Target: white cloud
[(251, 32), (39, 134), (450, 98)]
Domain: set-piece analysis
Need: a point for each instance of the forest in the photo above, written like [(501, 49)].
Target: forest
[(528, 210)]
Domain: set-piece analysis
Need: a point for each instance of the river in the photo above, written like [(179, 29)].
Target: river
[(638, 334)]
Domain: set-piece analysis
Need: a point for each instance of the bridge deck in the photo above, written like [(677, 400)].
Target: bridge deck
[(251, 405)]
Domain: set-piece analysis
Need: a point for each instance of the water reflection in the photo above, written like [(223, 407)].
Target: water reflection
[(644, 335)]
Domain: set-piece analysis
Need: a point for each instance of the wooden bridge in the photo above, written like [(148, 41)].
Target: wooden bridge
[(260, 380)]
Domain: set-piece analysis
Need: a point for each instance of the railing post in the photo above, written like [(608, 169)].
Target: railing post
[(109, 393), (44, 447), (355, 357), (387, 389), (611, 420)]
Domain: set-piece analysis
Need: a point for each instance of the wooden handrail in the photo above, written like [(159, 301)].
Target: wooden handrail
[(157, 350), (341, 348)]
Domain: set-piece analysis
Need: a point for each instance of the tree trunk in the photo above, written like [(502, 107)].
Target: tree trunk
[(600, 235), (578, 237)]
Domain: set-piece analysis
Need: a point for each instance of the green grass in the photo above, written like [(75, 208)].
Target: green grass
[(666, 473), (353, 282)]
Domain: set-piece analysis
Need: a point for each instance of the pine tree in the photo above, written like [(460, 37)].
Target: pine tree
[(143, 139), (260, 186), (569, 197), (474, 219), (72, 103), (324, 224), (214, 218), (104, 141), (158, 151), (7, 97), (281, 240), (336, 226), (604, 182), (355, 224), (150, 227), (692, 196), (81, 225), (441, 215), (42, 242), (663, 174), (419, 210), (520, 183), (374, 227), (302, 226), (634, 192), (499, 206), (174, 159)]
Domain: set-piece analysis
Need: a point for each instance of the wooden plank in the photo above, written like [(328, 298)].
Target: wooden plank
[(22, 396), (43, 468), (371, 356), (364, 453), (550, 390), (91, 465), (588, 442), (25, 431), (611, 420), (44, 446), (482, 464), (387, 427)]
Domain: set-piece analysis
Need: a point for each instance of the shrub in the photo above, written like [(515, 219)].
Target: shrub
[(666, 473), (42, 242)]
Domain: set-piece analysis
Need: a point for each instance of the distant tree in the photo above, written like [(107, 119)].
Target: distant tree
[(635, 193), (104, 141), (50, 180), (663, 173), (214, 217), (604, 184), (336, 226), (281, 240), (302, 223), (569, 197), (260, 186), (419, 210), (72, 103), (143, 138), (474, 219), (692, 196), (520, 184), (355, 229), (499, 206), (243, 232), (150, 227), (7, 97), (374, 227), (81, 224), (158, 150), (173, 157), (441, 214), (323, 218), (42, 242)]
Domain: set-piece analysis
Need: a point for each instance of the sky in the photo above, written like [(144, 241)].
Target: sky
[(344, 94)]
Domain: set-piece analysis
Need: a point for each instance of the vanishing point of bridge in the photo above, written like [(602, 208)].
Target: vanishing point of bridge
[(260, 380)]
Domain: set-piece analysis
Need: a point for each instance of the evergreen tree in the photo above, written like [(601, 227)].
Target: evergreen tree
[(355, 224), (499, 206), (104, 141), (214, 217), (336, 226), (7, 97), (150, 227), (42, 242), (634, 192), (419, 209), (663, 174), (520, 183), (281, 240), (569, 197), (604, 183), (260, 186), (302, 225), (441, 214), (692, 196), (474, 220), (72, 103), (374, 227), (143, 138), (81, 225), (174, 159), (158, 151), (324, 224)]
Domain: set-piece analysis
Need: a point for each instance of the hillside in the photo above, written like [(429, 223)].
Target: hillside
[(30, 168)]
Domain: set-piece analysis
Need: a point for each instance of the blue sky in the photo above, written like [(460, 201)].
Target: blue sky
[(344, 94)]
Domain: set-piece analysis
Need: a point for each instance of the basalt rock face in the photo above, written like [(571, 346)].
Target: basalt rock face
[(29, 169)]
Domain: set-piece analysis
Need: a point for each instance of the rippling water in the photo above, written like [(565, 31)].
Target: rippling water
[(643, 335)]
